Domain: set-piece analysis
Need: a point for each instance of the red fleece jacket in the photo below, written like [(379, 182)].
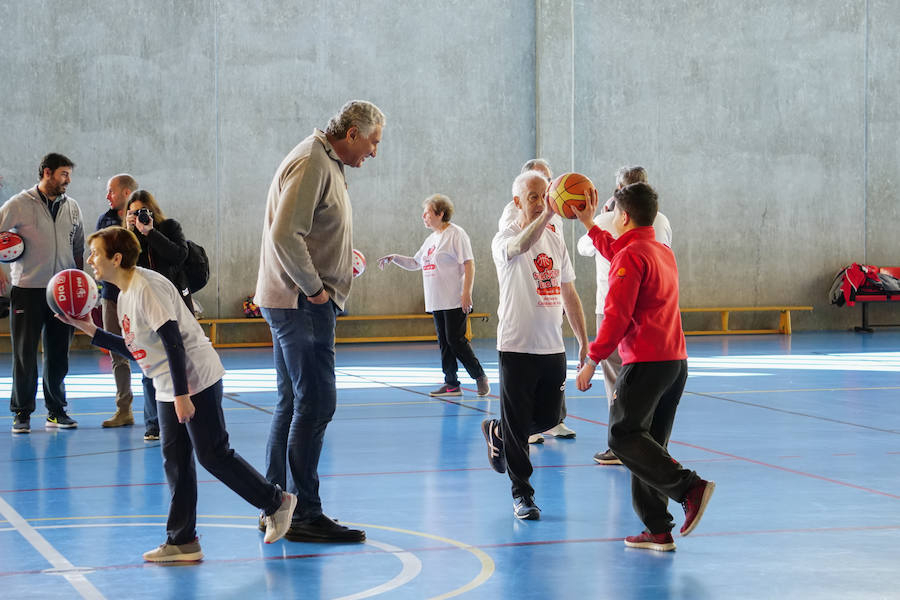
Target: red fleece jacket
[(641, 309)]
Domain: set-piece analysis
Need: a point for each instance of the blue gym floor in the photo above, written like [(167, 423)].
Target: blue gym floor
[(801, 435)]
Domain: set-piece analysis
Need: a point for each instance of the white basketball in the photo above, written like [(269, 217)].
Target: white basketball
[(359, 263)]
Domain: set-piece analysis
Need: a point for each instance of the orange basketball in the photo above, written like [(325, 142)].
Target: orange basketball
[(568, 190)]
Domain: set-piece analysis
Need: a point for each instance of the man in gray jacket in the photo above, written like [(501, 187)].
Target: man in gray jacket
[(305, 271), (51, 225)]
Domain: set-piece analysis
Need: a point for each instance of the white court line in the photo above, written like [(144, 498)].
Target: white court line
[(61, 566), (412, 566)]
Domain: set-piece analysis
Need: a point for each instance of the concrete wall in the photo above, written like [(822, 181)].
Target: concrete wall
[(770, 129)]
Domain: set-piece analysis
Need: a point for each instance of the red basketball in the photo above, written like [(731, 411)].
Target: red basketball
[(11, 246), (359, 263), (72, 292), (568, 190)]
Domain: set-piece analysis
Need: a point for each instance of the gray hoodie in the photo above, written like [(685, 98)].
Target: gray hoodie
[(50, 246)]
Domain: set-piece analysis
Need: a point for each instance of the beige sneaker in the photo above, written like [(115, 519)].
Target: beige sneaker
[(536, 438), (172, 553), (278, 522), (120, 419)]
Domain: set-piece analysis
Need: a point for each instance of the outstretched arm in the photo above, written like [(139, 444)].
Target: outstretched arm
[(404, 262)]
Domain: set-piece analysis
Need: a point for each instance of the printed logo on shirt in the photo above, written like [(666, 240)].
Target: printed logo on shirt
[(551, 227), (428, 263), (547, 279), (136, 352), (620, 272)]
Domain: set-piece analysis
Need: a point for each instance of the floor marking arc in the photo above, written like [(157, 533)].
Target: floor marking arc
[(60, 564)]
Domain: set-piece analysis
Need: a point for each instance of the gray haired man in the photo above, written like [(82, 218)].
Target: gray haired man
[(305, 271)]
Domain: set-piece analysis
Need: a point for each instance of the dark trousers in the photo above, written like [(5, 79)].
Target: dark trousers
[(450, 326), (31, 321), (206, 436), (151, 419), (532, 388), (303, 351), (640, 423)]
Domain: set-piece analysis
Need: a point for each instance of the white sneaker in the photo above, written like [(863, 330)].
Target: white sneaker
[(536, 438), (279, 521), (561, 431)]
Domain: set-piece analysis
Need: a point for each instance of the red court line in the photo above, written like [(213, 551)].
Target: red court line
[(765, 464), (369, 474), (534, 543)]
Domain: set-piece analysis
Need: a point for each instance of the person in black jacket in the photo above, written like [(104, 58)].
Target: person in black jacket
[(164, 250), (118, 189)]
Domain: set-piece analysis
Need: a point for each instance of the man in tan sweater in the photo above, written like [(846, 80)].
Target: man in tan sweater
[(305, 272)]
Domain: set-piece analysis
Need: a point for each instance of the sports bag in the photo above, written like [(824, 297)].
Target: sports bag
[(196, 267)]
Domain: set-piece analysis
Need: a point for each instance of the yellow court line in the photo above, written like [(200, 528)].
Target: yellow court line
[(487, 563)]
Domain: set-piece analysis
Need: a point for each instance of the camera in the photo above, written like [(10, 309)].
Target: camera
[(144, 215)]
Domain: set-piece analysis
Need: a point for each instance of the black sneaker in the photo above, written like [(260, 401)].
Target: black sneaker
[(151, 435), (21, 423), (606, 458), (525, 509), (494, 444), (61, 421), (323, 530)]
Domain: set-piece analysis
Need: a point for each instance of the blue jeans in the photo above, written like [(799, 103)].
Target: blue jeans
[(205, 436), (151, 420), (303, 347)]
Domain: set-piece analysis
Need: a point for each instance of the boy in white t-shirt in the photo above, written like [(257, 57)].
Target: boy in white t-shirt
[(536, 285), (162, 335), (448, 273)]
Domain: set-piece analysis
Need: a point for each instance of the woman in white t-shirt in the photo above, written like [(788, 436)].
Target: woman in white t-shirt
[(448, 274), (162, 335)]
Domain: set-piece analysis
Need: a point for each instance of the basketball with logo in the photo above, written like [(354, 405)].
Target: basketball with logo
[(72, 292), (568, 190), (11, 246), (359, 263)]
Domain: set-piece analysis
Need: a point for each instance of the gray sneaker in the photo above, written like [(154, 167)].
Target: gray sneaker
[(279, 521), (21, 423), (61, 421), (484, 386), (446, 390), (172, 553)]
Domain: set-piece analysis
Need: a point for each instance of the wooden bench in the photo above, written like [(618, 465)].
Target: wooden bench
[(214, 325), (784, 321)]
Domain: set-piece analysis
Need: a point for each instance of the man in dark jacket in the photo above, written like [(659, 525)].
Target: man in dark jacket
[(118, 189)]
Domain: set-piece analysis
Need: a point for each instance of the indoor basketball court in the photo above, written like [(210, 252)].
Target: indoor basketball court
[(795, 430)]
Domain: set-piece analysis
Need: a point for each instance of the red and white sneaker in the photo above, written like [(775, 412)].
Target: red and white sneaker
[(694, 504), (661, 542)]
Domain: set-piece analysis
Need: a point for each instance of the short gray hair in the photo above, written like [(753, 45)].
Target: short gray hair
[(630, 174), (536, 162), (126, 182), (522, 179), (357, 113)]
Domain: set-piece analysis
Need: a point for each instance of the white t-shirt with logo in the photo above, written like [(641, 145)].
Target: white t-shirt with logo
[(531, 309), (149, 302), (441, 258)]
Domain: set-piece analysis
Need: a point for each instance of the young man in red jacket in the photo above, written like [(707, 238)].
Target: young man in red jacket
[(642, 318)]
